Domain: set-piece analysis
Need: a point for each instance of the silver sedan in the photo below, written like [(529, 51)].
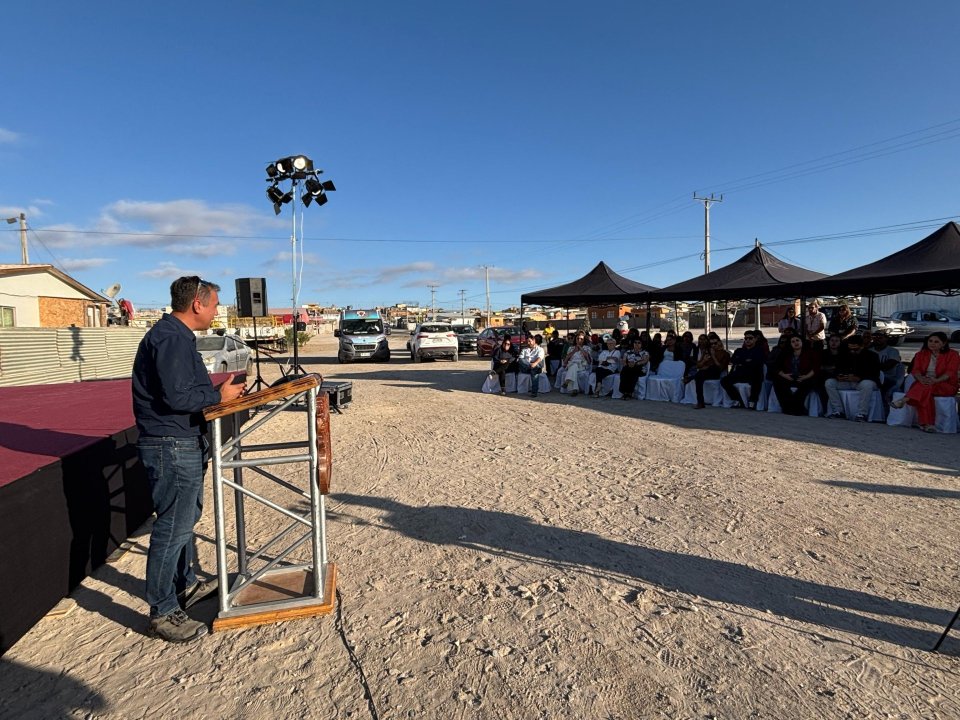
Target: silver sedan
[(224, 353)]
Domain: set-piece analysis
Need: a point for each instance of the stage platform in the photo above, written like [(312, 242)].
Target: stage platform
[(71, 490)]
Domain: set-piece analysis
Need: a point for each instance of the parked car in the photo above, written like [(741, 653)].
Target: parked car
[(433, 340), (491, 337), (896, 329), (225, 353), (925, 321), (466, 337)]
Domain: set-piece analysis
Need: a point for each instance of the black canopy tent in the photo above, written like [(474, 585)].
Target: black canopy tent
[(600, 286), (758, 275), (931, 265)]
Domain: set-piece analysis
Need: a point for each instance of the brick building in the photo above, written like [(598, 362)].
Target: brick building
[(42, 296)]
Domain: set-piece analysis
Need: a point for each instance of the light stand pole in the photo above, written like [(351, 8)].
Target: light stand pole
[(296, 168)]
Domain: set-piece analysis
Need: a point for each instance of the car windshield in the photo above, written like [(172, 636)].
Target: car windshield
[(361, 326), (510, 331), (463, 329), (211, 342), (436, 328)]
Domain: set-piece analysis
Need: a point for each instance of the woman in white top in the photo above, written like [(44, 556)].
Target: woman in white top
[(578, 360), (608, 363)]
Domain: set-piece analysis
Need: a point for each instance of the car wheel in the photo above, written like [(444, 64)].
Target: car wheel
[(386, 358), (895, 340), (955, 337), (417, 358), (223, 367), (456, 357)]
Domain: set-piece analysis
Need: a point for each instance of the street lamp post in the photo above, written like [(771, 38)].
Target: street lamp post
[(24, 256)]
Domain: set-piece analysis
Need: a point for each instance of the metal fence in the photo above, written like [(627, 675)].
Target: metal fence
[(36, 356)]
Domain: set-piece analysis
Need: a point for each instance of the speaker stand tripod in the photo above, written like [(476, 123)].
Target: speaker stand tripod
[(258, 381)]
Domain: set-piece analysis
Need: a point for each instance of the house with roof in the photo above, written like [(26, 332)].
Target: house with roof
[(43, 296)]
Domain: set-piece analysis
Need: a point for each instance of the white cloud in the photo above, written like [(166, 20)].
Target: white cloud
[(168, 269), (31, 211), (183, 227), (8, 137), (76, 264)]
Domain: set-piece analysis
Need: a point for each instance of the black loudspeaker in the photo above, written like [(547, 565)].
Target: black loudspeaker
[(252, 297)]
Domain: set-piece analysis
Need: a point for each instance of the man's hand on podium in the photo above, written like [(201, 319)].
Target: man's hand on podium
[(230, 389)]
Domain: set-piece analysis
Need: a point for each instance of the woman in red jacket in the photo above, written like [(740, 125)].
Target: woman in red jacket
[(935, 370)]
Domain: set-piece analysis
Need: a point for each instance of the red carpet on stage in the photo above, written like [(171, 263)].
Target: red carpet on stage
[(39, 424), (71, 490)]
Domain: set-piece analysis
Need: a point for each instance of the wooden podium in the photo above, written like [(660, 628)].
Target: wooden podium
[(268, 587)]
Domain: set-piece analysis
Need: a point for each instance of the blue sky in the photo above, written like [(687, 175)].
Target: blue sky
[(536, 138)]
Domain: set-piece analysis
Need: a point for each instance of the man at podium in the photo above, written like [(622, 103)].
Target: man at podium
[(171, 388)]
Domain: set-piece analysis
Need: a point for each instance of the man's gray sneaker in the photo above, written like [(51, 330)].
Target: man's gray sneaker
[(197, 592), (177, 627)]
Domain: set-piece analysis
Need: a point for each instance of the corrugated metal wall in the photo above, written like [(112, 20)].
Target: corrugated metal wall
[(36, 356)]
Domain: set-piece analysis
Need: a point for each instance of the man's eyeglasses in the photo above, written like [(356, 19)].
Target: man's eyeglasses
[(200, 284)]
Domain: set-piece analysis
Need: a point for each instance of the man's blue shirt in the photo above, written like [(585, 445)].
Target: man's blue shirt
[(171, 386)]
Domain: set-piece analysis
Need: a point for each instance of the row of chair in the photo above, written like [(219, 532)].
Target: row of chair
[(666, 385)]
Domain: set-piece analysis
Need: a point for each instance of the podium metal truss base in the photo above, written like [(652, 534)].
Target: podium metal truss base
[(279, 596)]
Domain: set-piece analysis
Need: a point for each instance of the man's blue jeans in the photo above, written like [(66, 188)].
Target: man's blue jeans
[(175, 469), (534, 373)]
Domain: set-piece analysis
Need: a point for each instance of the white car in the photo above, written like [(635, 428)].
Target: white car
[(433, 340), (224, 353)]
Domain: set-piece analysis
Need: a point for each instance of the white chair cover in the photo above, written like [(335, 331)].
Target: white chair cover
[(851, 403), (609, 386), (667, 384), (491, 384), (713, 394), (945, 420)]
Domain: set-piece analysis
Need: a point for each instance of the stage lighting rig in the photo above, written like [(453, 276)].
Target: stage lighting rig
[(305, 184)]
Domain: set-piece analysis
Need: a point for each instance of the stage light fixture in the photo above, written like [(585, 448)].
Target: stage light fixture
[(274, 194), (297, 169)]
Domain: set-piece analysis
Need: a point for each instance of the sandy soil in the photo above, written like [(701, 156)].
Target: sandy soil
[(560, 557)]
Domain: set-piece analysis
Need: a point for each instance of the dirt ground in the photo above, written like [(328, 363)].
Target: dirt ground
[(510, 557)]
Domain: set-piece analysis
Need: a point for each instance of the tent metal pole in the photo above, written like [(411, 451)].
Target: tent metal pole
[(648, 317), (726, 325), (756, 316), (803, 318), (869, 314)]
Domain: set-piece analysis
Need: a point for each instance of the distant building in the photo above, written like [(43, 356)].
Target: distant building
[(42, 296)]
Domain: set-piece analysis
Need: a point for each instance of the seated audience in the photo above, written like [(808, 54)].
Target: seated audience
[(636, 364), (554, 353), (746, 366), (934, 370), (789, 321), (890, 366), (532, 360), (857, 369), (504, 361), (608, 363), (829, 359), (843, 322), (710, 366), (796, 376), (577, 360)]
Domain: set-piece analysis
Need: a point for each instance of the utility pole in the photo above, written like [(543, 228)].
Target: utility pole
[(707, 202), (433, 302), (756, 319), (486, 277), (24, 256), (463, 297)]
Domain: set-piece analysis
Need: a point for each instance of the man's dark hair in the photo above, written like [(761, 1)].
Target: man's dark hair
[(184, 290), (855, 340)]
